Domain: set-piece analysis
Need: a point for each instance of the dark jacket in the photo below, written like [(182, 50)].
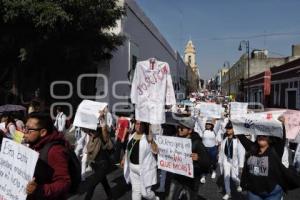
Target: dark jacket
[(277, 172), (200, 166), (203, 163), (53, 178)]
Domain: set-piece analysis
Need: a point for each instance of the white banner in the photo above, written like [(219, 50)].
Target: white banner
[(238, 108), (211, 110), (17, 164), (257, 124), (87, 114), (175, 155)]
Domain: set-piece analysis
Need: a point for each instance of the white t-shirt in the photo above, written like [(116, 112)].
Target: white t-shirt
[(209, 138)]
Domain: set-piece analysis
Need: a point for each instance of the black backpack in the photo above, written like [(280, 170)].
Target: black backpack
[(74, 165)]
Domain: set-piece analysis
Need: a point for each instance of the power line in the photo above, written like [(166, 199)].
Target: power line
[(264, 35)]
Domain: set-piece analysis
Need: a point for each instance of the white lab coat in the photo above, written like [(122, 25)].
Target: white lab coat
[(147, 163), (151, 90), (238, 155), (60, 122)]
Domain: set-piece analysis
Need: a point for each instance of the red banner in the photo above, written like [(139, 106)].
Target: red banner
[(267, 82)]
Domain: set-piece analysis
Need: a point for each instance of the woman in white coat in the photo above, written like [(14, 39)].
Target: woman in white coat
[(140, 167), (231, 159)]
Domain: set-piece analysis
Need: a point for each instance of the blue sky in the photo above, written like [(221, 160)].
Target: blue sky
[(216, 27)]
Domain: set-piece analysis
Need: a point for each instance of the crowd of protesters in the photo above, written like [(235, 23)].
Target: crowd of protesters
[(255, 166)]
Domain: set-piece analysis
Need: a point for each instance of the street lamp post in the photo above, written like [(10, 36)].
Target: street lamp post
[(246, 43)]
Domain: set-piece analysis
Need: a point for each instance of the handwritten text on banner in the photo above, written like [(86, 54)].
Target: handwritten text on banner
[(17, 164), (175, 155)]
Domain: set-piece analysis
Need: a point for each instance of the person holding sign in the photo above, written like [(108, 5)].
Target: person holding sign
[(231, 159), (140, 167), (211, 141), (98, 150), (51, 180), (264, 176), (201, 163)]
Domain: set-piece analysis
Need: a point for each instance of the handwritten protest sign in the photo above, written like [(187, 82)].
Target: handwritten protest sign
[(257, 124), (292, 123), (238, 108), (17, 164), (210, 110), (87, 114), (175, 155)]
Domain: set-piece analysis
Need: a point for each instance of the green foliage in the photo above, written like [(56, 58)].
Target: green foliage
[(51, 32)]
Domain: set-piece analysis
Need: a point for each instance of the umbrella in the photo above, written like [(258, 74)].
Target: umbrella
[(11, 108)]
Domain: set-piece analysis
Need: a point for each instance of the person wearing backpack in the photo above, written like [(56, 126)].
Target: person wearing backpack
[(52, 177)]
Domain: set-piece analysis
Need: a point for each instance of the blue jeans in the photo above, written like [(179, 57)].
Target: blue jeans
[(276, 194), (213, 153)]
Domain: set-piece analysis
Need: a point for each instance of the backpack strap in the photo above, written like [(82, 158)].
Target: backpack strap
[(43, 153)]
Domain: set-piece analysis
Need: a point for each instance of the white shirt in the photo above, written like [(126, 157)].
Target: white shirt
[(151, 90), (209, 138)]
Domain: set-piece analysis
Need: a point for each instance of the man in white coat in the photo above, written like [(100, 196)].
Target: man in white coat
[(231, 160), (60, 120)]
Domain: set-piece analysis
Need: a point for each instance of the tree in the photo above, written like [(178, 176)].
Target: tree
[(58, 30), (57, 33)]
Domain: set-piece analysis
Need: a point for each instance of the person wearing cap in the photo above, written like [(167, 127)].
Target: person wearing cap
[(211, 141), (264, 176), (231, 159), (200, 162)]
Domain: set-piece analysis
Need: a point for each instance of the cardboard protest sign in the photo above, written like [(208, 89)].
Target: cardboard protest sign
[(87, 114), (238, 108), (210, 110), (17, 165), (292, 123), (257, 124), (175, 155)]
